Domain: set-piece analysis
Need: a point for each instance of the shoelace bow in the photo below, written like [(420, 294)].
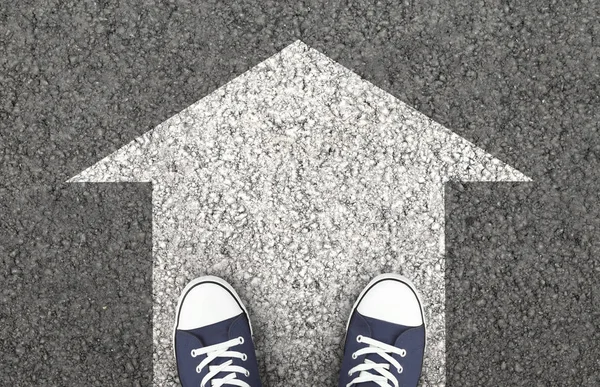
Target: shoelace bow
[(222, 350), (383, 350)]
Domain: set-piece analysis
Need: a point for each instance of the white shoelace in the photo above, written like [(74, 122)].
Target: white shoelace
[(382, 350), (222, 350)]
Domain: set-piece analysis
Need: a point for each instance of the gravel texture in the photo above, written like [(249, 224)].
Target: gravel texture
[(76, 274), (81, 79), (298, 182), (522, 299)]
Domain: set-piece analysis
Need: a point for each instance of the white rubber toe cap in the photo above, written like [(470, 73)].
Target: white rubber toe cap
[(391, 299), (206, 301)]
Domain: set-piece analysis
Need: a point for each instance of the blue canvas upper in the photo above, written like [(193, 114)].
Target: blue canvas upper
[(186, 340), (412, 339)]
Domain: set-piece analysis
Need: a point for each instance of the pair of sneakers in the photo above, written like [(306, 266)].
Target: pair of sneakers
[(384, 344)]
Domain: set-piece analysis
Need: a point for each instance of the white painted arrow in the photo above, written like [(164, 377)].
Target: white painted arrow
[(298, 182)]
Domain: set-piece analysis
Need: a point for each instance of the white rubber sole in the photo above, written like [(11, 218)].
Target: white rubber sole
[(199, 280), (382, 277)]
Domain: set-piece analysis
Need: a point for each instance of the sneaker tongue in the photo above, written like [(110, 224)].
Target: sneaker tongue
[(200, 338), (215, 333), (368, 384), (386, 333), (402, 337)]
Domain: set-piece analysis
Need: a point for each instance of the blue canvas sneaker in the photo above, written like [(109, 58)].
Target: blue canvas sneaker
[(385, 336), (213, 338)]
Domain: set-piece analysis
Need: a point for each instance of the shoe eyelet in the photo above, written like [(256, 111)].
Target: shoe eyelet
[(354, 356), (400, 370), (349, 373), (244, 357), (198, 370), (247, 373), (402, 352), (241, 339), (359, 338), (193, 353)]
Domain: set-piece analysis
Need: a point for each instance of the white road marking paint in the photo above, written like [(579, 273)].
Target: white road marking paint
[(298, 182)]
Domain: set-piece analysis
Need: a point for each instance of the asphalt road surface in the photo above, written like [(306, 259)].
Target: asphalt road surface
[(80, 80)]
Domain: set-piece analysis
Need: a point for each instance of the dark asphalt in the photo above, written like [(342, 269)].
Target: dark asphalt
[(76, 305), (522, 299), (519, 79)]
